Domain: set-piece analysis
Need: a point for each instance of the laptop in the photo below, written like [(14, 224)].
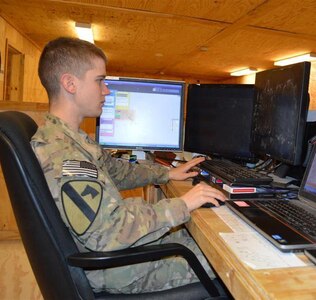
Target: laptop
[(276, 227)]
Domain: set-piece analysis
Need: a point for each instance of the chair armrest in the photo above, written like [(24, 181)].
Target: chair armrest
[(103, 260)]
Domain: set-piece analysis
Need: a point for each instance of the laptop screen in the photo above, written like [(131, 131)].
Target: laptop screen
[(308, 187)]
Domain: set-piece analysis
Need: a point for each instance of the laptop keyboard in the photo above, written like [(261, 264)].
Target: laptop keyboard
[(295, 216), (234, 173)]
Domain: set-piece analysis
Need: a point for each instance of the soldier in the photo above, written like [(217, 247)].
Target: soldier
[(85, 180)]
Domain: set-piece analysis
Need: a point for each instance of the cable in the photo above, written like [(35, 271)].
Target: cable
[(263, 165)]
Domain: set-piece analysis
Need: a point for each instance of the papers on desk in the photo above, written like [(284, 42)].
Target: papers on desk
[(231, 220), (257, 253), (250, 247)]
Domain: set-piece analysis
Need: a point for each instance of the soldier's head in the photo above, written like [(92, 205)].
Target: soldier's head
[(66, 55)]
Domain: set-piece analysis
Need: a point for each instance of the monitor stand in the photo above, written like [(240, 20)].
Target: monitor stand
[(282, 171), (140, 155), (296, 172)]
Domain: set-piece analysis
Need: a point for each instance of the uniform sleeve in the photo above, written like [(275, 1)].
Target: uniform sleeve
[(101, 221), (132, 223), (128, 175)]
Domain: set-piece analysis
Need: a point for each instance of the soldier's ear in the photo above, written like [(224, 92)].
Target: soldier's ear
[(68, 82)]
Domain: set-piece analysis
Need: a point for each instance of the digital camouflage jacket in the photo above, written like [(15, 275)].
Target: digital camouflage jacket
[(85, 182)]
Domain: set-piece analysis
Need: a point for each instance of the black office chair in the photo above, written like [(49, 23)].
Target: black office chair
[(53, 255)]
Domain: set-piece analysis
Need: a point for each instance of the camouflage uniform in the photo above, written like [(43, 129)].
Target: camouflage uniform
[(85, 182)]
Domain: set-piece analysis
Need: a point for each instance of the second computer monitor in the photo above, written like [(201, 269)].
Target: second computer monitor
[(219, 119), (280, 112)]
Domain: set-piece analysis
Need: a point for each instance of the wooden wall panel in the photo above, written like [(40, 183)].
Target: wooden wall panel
[(312, 87), (7, 219), (32, 89), (138, 192), (88, 125), (2, 49), (17, 281)]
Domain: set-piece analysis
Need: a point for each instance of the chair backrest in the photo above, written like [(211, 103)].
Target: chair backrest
[(46, 239)]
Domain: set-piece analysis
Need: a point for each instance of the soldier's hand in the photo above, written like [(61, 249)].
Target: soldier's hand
[(185, 171), (202, 193)]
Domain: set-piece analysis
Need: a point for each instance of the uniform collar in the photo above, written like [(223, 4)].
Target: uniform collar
[(81, 137), (66, 128)]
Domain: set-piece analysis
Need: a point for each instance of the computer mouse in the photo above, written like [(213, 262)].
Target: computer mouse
[(209, 205)]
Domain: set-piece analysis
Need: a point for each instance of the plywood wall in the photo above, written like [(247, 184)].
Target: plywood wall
[(32, 88), (17, 281), (2, 51), (7, 219), (312, 87)]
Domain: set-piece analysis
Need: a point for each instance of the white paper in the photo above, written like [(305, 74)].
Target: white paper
[(252, 248), (255, 251), (231, 220)]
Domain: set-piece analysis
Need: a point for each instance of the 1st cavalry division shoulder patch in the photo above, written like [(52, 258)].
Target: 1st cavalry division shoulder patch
[(81, 201)]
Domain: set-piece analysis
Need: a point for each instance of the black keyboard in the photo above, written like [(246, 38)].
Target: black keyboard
[(235, 174), (295, 216)]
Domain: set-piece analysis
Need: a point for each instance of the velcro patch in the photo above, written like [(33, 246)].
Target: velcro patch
[(81, 201), (79, 168)]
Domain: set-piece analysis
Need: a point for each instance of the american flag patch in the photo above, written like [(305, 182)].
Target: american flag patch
[(79, 168)]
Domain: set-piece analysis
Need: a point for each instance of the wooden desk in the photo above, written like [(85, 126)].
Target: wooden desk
[(242, 281)]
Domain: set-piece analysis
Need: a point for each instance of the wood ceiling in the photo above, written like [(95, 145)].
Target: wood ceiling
[(183, 39)]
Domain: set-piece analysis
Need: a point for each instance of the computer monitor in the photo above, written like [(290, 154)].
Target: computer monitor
[(219, 119), (280, 112), (142, 115)]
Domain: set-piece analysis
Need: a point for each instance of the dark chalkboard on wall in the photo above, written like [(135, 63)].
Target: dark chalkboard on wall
[(280, 112)]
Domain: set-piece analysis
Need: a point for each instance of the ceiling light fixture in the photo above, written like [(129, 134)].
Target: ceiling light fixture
[(204, 48), (84, 32), (242, 72), (295, 59)]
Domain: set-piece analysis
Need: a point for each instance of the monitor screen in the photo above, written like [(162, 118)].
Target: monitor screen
[(142, 114), (218, 121), (308, 186), (280, 112)]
